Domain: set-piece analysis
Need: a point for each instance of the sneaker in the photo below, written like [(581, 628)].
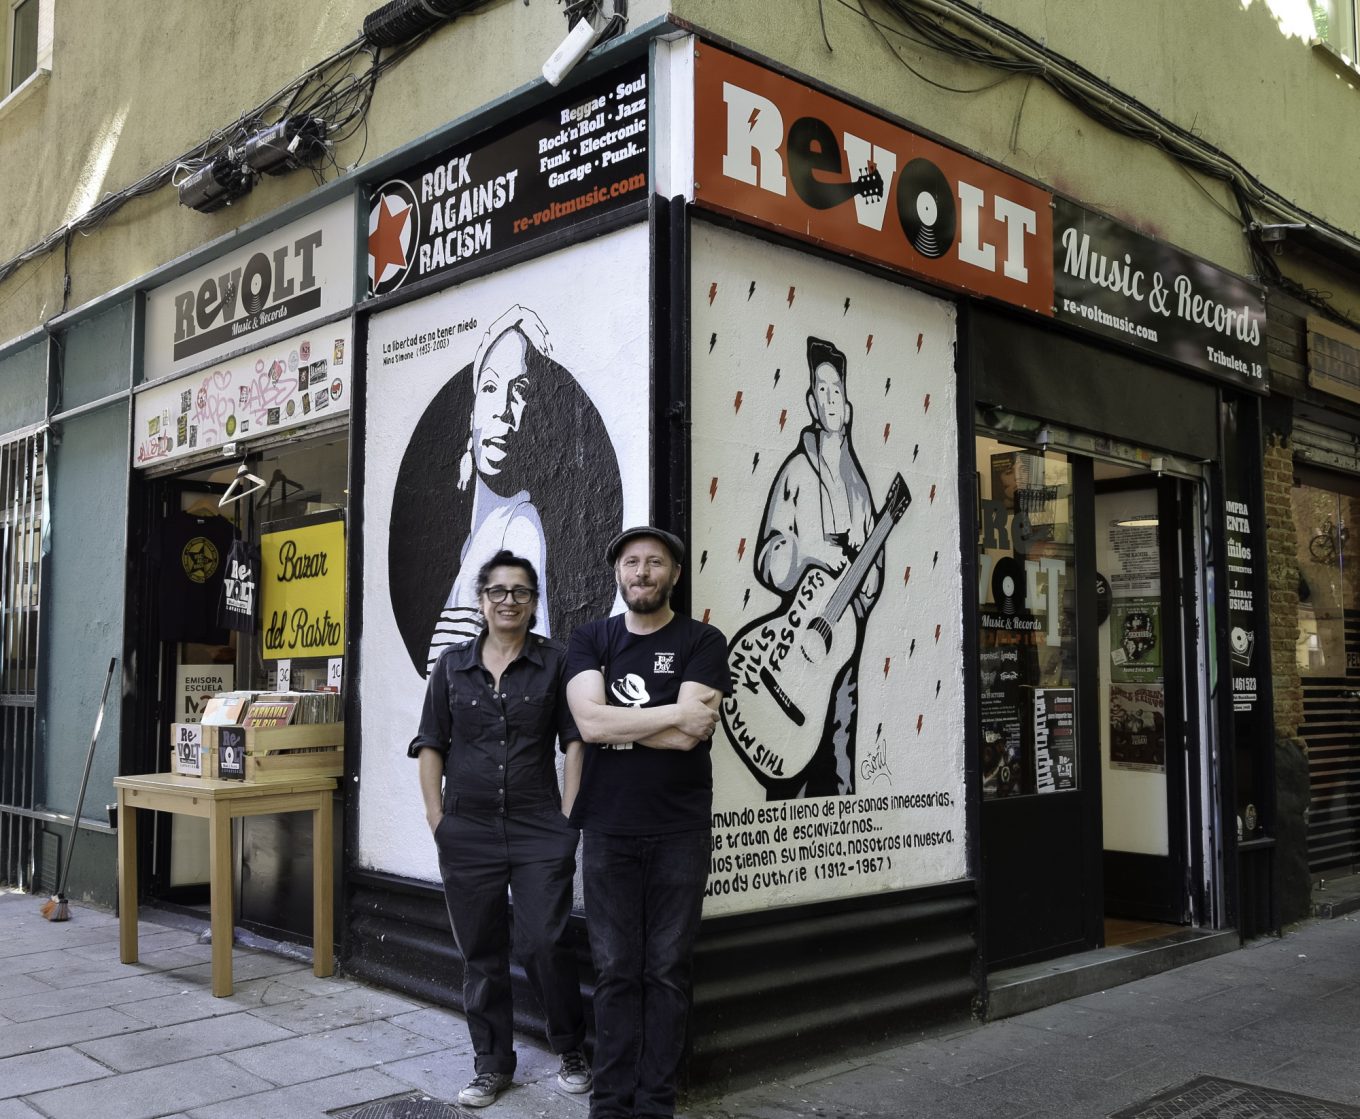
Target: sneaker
[(484, 1089), (574, 1075)]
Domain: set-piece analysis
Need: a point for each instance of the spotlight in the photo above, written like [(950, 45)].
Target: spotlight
[(216, 184), (293, 142)]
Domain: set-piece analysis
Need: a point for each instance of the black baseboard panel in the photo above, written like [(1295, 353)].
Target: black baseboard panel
[(399, 937), (778, 987), (770, 989)]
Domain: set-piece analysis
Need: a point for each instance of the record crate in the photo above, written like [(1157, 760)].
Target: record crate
[(282, 753)]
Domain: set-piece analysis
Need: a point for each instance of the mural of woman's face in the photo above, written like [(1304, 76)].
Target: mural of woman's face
[(502, 393), (827, 398)]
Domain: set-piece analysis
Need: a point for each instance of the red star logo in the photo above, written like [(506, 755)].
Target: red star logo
[(384, 243)]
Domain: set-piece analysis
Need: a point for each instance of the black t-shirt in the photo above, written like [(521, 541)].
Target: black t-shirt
[(237, 607), (639, 790), (192, 553)]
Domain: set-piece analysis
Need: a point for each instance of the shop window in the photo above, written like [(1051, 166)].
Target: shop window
[(1327, 653), (1027, 640)]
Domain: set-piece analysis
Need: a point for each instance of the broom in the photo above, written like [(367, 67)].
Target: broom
[(57, 908)]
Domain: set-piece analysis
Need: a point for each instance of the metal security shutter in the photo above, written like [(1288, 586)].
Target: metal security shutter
[(22, 461)]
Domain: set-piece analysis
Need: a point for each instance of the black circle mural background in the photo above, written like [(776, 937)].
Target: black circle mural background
[(563, 458)]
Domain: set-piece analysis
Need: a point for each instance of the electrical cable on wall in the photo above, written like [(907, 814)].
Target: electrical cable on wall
[(967, 33), (330, 91)]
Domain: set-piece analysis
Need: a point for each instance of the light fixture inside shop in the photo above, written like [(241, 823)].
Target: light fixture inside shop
[(1144, 520), (216, 184)]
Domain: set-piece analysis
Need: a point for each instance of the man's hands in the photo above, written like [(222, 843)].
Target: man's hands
[(696, 714)]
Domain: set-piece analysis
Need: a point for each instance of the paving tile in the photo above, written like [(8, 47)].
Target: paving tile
[(16, 986), (27, 1073), (150, 940), (167, 1044), (155, 1092), (71, 999), (51, 1033), (324, 1013), (307, 1101), (445, 1026), (328, 1054), (441, 1072), (191, 1001), (17, 1109), (244, 966)]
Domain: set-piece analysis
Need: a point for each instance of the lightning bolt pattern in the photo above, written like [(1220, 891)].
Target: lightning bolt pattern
[(791, 290), (741, 548), (769, 334), (736, 407), (713, 488), (712, 292)]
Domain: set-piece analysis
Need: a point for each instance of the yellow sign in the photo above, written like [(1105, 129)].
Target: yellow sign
[(302, 583)]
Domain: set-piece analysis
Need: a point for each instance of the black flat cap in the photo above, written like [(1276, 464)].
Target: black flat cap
[(673, 543)]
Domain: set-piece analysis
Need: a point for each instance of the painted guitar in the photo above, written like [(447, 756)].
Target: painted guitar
[(784, 664)]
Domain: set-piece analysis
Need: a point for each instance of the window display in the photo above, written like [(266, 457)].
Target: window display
[(1027, 639)]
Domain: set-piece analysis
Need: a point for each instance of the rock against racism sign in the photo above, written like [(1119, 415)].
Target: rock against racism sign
[(578, 156), (773, 151), (277, 284), (1114, 282)]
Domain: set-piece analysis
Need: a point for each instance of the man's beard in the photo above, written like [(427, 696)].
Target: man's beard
[(646, 600)]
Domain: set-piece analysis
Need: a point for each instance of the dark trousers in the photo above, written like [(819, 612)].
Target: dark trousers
[(644, 894), (533, 854)]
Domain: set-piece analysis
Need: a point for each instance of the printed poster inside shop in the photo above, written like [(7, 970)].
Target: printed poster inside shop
[(508, 411), (825, 546), (580, 155), (302, 588), (291, 382)]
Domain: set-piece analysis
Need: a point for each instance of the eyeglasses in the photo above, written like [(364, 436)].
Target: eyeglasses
[(517, 594)]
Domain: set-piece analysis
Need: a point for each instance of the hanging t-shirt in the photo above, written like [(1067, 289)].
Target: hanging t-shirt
[(640, 790), (239, 585), (192, 553)]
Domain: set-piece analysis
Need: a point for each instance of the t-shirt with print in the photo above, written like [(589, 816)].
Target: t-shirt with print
[(640, 790)]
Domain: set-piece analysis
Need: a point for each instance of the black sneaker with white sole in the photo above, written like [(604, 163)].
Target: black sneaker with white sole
[(574, 1075), (484, 1089)]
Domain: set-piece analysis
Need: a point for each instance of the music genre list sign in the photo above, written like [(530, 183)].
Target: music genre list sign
[(579, 156)]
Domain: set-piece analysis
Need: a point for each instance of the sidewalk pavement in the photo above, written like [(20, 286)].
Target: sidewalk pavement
[(84, 1035)]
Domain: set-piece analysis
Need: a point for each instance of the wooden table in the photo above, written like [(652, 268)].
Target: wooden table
[(220, 802)]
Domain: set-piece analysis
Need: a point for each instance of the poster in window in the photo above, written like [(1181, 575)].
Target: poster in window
[(1138, 727), (1052, 732), (1136, 640)]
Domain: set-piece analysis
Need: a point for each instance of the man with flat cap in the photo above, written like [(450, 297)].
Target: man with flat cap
[(644, 688)]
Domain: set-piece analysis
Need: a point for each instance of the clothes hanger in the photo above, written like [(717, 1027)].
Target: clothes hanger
[(243, 485)]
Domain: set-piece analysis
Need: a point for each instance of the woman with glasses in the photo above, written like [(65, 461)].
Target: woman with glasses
[(493, 707)]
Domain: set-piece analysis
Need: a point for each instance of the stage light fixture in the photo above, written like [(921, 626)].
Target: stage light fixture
[(215, 185), (293, 142)]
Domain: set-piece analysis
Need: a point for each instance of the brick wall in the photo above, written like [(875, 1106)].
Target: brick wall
[(1282, 570)]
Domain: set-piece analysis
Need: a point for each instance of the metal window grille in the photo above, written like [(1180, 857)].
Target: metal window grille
[(22, 461)]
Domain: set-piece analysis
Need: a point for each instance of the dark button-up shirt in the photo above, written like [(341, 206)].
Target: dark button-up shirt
[(497, 742)]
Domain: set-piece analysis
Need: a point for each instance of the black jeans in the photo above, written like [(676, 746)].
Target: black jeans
[(644, 894), (534, 854)]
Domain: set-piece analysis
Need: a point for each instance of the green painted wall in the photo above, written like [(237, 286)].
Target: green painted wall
[(23, 387), (84, 603), (97, 358)]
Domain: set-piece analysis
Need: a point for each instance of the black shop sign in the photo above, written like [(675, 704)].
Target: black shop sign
[(578, 156), (1111, 281)]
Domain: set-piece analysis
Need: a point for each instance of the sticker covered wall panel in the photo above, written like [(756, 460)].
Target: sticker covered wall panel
[(513, 411), (826, 547)]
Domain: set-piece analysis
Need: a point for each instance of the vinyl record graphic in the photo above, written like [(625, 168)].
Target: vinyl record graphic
[(925, 207), (1008, 586)]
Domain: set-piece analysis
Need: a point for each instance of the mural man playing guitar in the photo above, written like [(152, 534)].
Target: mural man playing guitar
[(819, 515)]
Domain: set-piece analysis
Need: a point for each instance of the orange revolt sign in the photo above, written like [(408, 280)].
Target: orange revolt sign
[(302, 578), (775, 152)]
